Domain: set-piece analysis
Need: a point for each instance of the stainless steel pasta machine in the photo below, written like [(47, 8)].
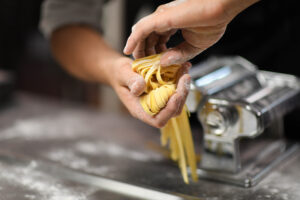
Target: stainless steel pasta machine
[(241, 111)]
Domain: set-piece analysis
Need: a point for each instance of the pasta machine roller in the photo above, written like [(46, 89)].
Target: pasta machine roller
[(241, 111)]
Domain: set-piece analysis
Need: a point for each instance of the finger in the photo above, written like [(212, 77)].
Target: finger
[(183, 70), (159, 48), (166, 36), (163, 39), (179, 54), (169, 111), (139, 52), (203, 37), (133, 105), (183, 90), (175, 103), (140, 31), (133, 81), (196, 41), (151, 42), (157, 21)]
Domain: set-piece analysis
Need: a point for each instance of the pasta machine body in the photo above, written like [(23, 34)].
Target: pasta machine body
[(241, 111)]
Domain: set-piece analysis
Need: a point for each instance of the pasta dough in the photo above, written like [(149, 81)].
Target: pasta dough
[(160, 85)]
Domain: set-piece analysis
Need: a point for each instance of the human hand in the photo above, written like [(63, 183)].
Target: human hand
[(202, 24), (130, 85)]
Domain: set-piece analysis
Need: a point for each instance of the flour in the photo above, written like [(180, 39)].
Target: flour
[(73, 158), (40, 185), (45, 128), (286, 188), (114, 150), (70, 159)]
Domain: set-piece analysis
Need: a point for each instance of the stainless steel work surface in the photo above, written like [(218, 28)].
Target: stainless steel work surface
[(51, 150)]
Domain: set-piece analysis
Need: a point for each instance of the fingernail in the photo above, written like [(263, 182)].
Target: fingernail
[(136, 87), (133, 87)]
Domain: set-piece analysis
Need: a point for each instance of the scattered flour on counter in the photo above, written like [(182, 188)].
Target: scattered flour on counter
[(44, 186), (278, 184), (70, 159), (77, 156), (110, 149), (46, 128)]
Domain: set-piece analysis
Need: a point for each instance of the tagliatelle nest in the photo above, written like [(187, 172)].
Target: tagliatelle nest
[(160, 86)]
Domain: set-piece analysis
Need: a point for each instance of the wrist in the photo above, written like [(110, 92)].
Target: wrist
[(234, 7), (114, 68), (106, 67)]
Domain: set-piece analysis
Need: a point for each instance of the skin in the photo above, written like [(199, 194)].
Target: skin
[(202, 24), (84, 53)]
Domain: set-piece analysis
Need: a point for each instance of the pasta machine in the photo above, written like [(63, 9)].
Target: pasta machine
[(241, 111)]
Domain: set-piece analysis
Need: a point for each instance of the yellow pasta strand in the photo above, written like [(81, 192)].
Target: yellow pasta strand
[(182, 160), (160, 86), (184, 124)]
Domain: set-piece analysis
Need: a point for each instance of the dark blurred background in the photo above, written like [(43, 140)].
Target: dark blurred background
[(266, 34), (25, 53)]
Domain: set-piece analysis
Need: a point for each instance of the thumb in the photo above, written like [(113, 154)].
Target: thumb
[(179, 54), (133, 81), (137, 84)]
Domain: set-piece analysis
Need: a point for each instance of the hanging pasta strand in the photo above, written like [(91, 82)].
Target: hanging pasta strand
[(160, 86)]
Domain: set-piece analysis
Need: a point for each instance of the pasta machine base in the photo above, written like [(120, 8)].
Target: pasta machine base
[(253, 173)]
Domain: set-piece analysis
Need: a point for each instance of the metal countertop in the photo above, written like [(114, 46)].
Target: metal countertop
[(51, 150)]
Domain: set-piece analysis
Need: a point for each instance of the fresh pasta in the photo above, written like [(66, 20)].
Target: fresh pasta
[(160, 85)]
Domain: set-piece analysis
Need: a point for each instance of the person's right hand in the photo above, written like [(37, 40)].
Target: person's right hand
[(202, 24), (130, 85)]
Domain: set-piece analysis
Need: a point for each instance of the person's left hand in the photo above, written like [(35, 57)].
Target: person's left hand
[(130, 85), (202, 24)]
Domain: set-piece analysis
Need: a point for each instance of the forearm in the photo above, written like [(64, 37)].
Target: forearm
[(83, 52)]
